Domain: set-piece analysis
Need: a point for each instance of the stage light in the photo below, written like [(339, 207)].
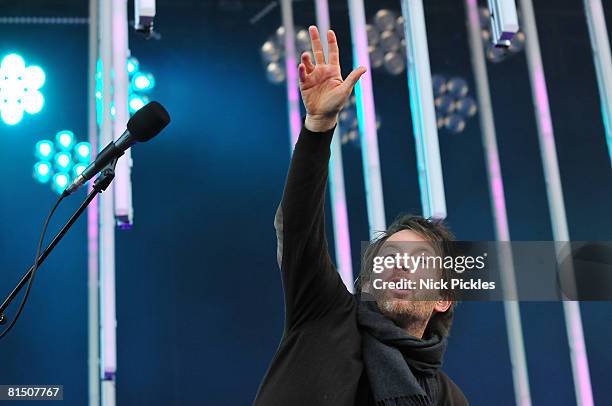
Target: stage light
[(136, 102), (453, 104), (44, 149), (377, 56), (13, 66), (439, 85), (272, 53), (275, 73), (34, 77), (63, 161), (386, 42), (454, 123), (33, 101), (457, 87), (19, 89), (71, 158), (143, 82), (280, 35), (302, 41), (132, 65), (390, 41), (12, 114), (445, 104), (78, 169), (60, 182), (466, 106), (65, 139), (385, 20), (518, 43), (495, 54), (83, 151), (42, 172), (394, 63)]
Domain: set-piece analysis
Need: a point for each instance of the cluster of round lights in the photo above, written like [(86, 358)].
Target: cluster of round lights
[(273, 53), (61, 160), (498, 54), (387, 42), (453, 104), (19, 89)]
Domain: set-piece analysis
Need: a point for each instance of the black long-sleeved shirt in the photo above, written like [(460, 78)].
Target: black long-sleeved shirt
[(319, 360)]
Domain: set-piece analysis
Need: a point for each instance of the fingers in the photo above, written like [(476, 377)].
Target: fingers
[(302, 72), (307, 62), (317, 46), (353, 77), (334, 53)]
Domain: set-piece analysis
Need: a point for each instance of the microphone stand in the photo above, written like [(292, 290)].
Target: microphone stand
[(101, 183)]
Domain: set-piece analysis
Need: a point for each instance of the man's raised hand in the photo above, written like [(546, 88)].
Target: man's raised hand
[(323, 90)]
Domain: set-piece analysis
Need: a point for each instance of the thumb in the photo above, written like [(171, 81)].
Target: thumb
[(353, 77)]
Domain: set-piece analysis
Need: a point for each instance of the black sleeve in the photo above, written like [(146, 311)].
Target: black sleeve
[(311, 284)]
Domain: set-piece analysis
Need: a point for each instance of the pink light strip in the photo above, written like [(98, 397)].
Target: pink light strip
[(342, 238), (124, 212), (366, 115), (293, 90), (108, 337), (512, 313), (93, 315), (546, 137)]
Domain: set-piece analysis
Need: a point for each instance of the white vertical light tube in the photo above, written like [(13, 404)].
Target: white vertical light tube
[(342, 240), (124, 212), (366, 117), (108, 345), (512, 311), (293, 90), (600, 44), (93, 316), (424, 124), (548, 150)]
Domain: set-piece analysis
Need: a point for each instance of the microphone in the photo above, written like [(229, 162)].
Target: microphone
[(145, 124)]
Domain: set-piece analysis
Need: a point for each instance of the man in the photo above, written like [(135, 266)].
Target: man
[(380, 347)]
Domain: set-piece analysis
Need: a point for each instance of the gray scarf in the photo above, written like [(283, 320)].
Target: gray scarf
[(399, 367)]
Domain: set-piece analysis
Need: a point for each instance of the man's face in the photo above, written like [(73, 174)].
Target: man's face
[(408, 307)]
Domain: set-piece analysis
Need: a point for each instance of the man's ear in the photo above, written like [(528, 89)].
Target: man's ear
[(442, 305)]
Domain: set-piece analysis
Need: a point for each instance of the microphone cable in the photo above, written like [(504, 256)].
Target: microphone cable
[(35, 268)]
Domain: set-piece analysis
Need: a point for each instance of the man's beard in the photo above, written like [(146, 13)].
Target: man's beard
[(409, 314), (406, 312)]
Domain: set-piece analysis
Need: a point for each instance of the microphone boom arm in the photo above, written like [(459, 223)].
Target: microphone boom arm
[(102, 182)]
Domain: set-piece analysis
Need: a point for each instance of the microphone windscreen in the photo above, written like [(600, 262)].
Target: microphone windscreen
[(147, 122)]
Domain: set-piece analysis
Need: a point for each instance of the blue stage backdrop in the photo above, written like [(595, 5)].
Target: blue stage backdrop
[(199, 298)]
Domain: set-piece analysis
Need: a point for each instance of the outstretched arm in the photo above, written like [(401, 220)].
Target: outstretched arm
[(310, 281)]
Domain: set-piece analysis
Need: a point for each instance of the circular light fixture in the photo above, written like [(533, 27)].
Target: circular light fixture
[(19, 89), (44, 149), (132, 65), (60, 182), (143, 82), (42, 172), (136, 102), (65, 139)]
